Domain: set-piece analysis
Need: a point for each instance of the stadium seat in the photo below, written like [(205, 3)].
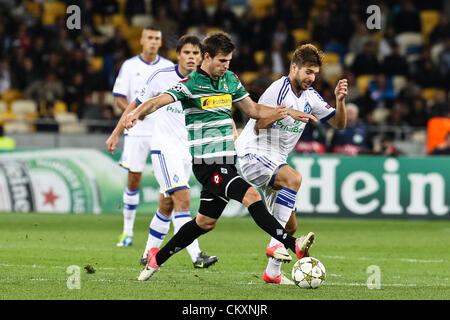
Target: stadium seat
[(16, 127), (106, 30), (248, 77), (72, 128), (132, 33), (33, 8), (7, 116), (141, 20), (52, 9), (400, 83), (331, 73), (172, 54), (122, 4), (98, 20), (301, 36), (67, 117), (259, 56), (408, 41), (419, 136), (430, 93), (380, 115), (259, 7), (21, 106), (3, 106), (429, 19), (362, 82), (330, 58), (97, 62), (60, 107), (10, 95), (349, 58), (118, 20)]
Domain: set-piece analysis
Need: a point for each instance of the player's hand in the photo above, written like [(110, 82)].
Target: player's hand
[(130, 120), (281, 112), (111, 143), (341, 89), (302, 116)]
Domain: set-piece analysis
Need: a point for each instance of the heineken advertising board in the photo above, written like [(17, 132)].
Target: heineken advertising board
[(90, 181)]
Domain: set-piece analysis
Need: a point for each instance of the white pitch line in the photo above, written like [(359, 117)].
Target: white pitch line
[(382, 259), (259, 283)]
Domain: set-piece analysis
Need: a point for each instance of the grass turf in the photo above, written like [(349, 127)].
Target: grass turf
[(36, 250)]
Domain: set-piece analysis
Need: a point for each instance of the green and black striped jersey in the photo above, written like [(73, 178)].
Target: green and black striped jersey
[(207, 105)]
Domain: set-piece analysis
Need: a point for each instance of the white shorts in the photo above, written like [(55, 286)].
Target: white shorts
[(136, 149), (171, 171), (260, 171)]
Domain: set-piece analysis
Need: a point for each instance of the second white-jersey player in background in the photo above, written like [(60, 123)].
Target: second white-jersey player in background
[(171, 159), (264, 145), (132, 76)]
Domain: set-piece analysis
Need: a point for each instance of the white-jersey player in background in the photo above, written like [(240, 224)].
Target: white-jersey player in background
[(171, 159), (132, 76), (264, 145)]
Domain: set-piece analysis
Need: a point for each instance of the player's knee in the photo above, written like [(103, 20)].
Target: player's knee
[(294, 181), (251, 196), (181, 200), (205, 223), (134, 180), (165, 206)]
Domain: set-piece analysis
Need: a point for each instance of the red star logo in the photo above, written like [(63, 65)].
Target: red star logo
[(50, 197)]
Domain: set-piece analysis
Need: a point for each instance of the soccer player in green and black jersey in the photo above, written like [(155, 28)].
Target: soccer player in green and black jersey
[(207, 95)]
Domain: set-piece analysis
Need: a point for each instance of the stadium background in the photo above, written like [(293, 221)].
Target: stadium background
[(56, 84)]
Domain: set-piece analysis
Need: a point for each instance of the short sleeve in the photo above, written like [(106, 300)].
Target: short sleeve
[(240, 93), (151, 89), (122, 83), (269, 97), (320, 108), (179, 91)]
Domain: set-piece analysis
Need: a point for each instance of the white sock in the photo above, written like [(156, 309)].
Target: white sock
[(282, 211), (159, 226), (179, 219), (130, 203)]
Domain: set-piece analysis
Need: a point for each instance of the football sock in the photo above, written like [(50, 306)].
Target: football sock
[(159, 226), (270, 225), (130, 203), (184, 237), (282, 211), (179, 219)]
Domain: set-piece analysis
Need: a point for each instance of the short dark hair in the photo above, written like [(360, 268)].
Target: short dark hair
[(307, 54), (217, 42), (153, 28), (188, 38)]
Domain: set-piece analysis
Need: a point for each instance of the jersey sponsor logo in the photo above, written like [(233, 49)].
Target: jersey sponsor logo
[(217, 179), (216, 101)]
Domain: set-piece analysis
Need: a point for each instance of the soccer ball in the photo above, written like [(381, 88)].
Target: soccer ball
[(308, 273)]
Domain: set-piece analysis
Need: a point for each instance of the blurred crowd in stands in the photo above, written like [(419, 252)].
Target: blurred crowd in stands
[(399, 76)]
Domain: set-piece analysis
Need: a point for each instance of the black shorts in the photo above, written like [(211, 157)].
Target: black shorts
[(220, 182)]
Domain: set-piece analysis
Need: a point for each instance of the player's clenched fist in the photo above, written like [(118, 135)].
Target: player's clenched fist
[(341, 89), (130, 120)]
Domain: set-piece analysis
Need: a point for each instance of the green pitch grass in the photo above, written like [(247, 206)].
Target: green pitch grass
[(36, 249)]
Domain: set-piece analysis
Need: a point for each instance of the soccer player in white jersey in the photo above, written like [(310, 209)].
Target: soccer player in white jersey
[(264, 145), (131, 78), (170, 154)]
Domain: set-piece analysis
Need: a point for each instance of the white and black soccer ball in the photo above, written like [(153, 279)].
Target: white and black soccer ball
[(308, 273)]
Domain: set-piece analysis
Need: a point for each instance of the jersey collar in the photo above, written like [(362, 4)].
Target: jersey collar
[(158, 57), (178, 72)]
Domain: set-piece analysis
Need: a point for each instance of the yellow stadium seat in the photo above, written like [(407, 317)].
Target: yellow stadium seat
[(7, 143), (429, 19), (21, 106), (60, 107), (10, 95), (248, 77), (122, 4), (52, 9), (33, 8), (3, 106), (98, 20), (430, 93), (7, 116), (362, 82), (97, 62), (172, 55), (259, 56), (132, 33), (259, 7), (301, 36), (330, 58), (16, 127), (210, 3), (118, 20)]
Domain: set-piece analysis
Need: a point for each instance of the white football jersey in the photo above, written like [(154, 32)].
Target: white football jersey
[(169, 129), (279, 140), (132, 76)]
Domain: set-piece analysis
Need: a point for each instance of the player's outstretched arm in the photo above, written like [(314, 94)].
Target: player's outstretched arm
[(339, 120), (259, 111), (146, 108), (111, 143), (265, 123), (302, 116)]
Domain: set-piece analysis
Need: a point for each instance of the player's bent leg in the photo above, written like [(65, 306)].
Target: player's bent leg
[(159, 226)]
